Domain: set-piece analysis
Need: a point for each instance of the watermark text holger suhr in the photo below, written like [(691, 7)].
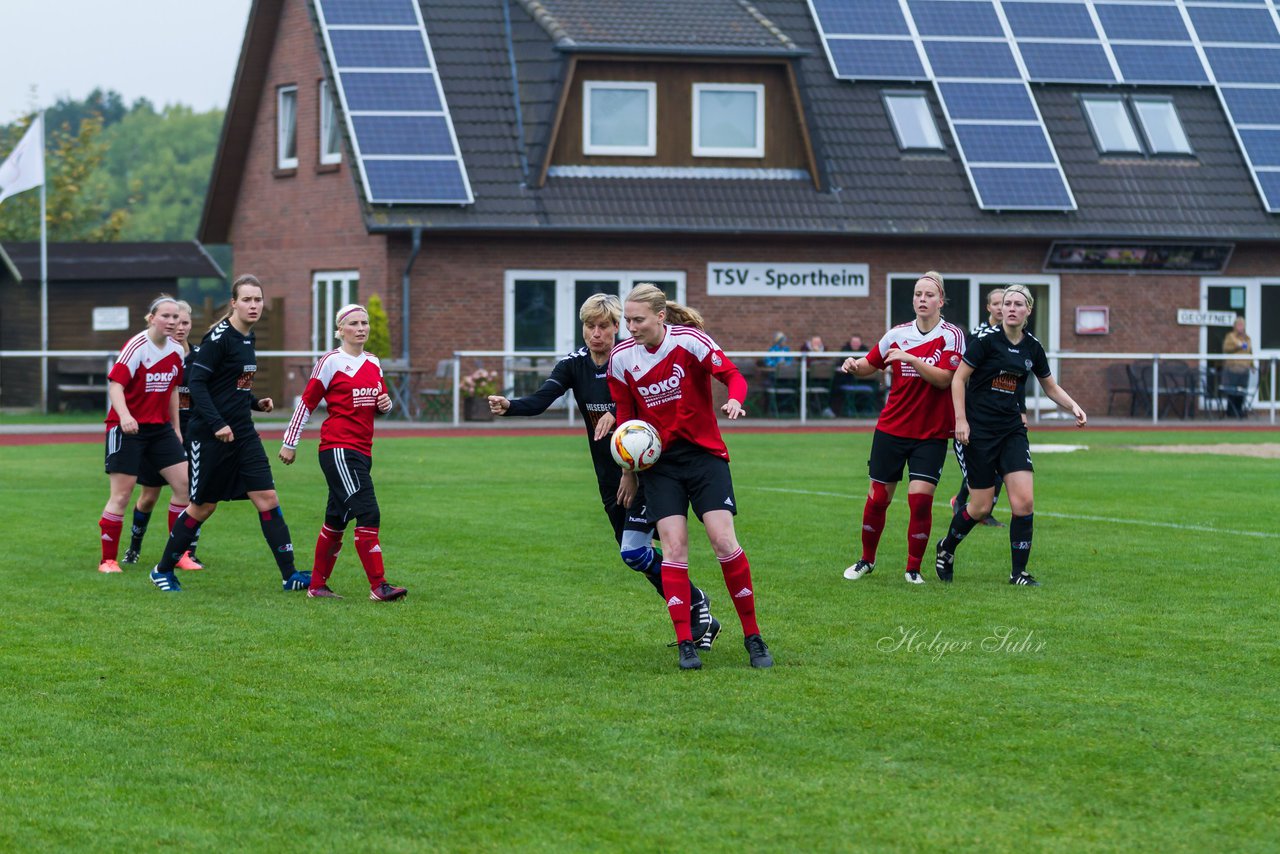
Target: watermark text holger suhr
[(1002, 640)]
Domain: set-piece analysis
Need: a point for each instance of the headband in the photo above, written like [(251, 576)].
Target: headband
[(351, 310), (159, 301)]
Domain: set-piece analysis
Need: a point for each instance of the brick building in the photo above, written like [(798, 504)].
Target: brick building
[(704, 146)]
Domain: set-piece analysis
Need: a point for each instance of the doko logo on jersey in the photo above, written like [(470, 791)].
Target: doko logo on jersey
[(365, 396), (663, 390), (157, 381)]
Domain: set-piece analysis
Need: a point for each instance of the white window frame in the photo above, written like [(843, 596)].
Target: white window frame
[(700, 150), (567, 333), (283, 132), (1136, 101), (324, 306), (328, 119), (1119, 101), (650, 148), (920, 103)]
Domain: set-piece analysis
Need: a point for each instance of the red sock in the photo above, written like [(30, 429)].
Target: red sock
[(370, 555), (873, 513), (918, 529), (737, 579), (328, 544), (175, 511), (111, 525), (675, 586)]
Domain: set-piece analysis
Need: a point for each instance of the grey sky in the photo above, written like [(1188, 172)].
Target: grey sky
[(170, 51)]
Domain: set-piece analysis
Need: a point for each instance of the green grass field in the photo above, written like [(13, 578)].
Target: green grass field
[(523, 696)]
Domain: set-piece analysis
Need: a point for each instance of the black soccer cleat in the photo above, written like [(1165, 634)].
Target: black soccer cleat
[(1024, 579), (944, 563), (713, 631), (758, 651), (699, 614), (689, 656), (130, 557)]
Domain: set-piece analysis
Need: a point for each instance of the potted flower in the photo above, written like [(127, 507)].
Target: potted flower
[(476, 388)]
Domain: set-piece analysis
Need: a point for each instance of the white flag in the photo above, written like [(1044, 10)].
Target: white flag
[(24, 167)]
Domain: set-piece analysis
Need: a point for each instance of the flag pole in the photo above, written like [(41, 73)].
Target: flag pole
[(44, 286)]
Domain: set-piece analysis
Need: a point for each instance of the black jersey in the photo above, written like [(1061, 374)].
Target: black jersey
[(184, 394), (980, 330), (997, 390), (590, 386), (220, 380)]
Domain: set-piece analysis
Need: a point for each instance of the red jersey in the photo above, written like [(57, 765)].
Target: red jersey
[(350, 386), (148, 373), (670, 387), (915, 409)]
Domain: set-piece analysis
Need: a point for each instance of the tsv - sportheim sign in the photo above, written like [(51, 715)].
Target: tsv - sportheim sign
[(737, 278)]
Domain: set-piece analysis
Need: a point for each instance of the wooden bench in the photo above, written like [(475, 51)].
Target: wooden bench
[(81, 383)]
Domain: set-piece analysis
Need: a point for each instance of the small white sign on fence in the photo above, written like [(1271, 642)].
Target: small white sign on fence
[(110, 318), (1196, 317)]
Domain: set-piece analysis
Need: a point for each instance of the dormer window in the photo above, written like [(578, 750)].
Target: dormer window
[(728, 120), (1112, 120), (619, 118), (912, 121), (1160, 126)]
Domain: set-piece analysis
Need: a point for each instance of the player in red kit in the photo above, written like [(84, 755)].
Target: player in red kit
[(915, 424), (662, 375), (140, 422), (149, 479), (349, 381)]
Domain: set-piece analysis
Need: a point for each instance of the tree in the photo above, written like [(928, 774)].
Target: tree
[(379, 341), (158, 167), (77, 207)]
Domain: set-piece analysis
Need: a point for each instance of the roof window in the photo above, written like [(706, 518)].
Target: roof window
[(912, 121)]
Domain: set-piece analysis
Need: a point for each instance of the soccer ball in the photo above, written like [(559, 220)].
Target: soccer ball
[(635, 445)]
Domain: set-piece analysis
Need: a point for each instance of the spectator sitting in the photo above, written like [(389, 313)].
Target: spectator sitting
[(813, 345), (779, 346)]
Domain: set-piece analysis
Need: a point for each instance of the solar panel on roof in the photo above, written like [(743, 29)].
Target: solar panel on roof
[(1058, 63), (988, 101), (1142, 23), (1050, 20), (980, 55), (955, 18), (1146, 63), (1248, 26), (386, 12), (971, 59), (1021, 188), (876, 59), (401, 132)]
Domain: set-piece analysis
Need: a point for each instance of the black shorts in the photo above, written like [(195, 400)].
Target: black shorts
[(350, 483), (228, 471), (986, 460), (687, 476), (156, 444), (924, 458)]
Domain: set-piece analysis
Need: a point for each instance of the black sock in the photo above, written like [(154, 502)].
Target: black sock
[(961, 524), (962, 497), (140, 522), (195, 541), (184, 531), (1020, 542), (654, 578), (277, 534)]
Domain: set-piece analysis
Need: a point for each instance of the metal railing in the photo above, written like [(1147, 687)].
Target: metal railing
[(403, 389)]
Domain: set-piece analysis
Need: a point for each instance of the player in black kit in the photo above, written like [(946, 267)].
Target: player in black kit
[(584, 371), (991, 438), (227, 459)]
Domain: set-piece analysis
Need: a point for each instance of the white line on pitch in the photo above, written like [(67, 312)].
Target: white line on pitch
[(1142, 522)]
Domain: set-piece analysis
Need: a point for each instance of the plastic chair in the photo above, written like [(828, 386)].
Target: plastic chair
[(782, 390), (1120, 382)]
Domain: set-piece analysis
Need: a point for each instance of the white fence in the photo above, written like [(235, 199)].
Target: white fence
[(522, 372)]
